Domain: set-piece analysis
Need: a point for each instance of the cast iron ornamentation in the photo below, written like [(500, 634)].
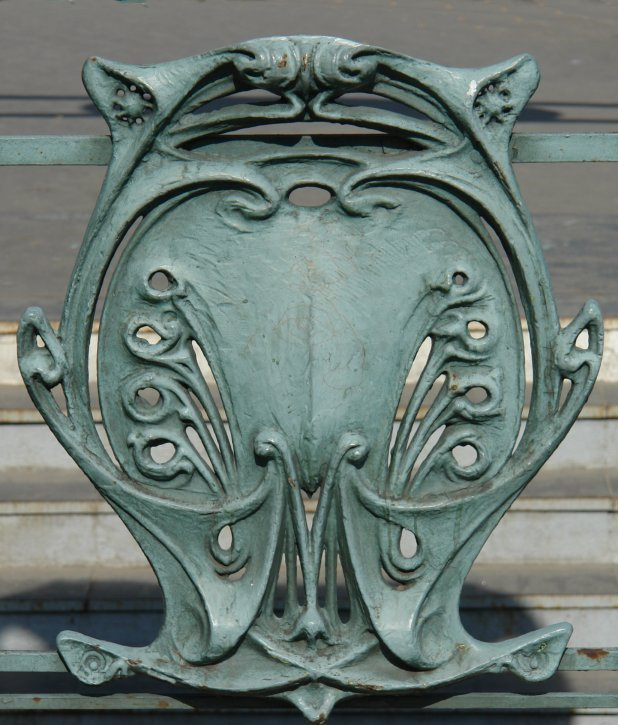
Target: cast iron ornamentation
[(310, 320)]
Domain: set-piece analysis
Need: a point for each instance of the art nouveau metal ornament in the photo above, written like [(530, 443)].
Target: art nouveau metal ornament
[(310, 320)]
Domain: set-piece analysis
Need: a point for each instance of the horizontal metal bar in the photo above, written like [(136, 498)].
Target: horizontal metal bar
[(584, 659), (67, 701), (96, 150), (470, 701), (55, 150), (25, 661), (574, 659), (561, 147)]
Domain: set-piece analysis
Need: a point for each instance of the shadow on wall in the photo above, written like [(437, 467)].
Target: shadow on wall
[(132, 614)]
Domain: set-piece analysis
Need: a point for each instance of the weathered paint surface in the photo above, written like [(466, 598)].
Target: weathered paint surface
[(310, 319), (525, 148)]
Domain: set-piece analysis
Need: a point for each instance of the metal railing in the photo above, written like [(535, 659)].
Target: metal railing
[(306, 317)]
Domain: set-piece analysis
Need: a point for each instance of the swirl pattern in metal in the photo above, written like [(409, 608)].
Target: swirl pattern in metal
[(253, 354)]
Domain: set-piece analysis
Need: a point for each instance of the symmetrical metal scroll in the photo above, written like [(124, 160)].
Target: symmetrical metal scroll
[(310, 319)]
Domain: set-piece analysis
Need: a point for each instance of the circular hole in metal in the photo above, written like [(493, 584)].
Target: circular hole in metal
[(309, 196), (477, 395), (477, 329), (460, 278), (162, 451), (160, 280), (408, 543), (465, 455), (149, 396)]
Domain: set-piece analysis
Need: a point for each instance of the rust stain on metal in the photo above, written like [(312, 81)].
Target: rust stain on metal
[(292, 482), (163, 704), (134, 663), (283, 61), (36, 700), (593, 654), (305, 61)]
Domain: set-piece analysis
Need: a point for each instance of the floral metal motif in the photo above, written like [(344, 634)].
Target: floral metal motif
[(310, 320)]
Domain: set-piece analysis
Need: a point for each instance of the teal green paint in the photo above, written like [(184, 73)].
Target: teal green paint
[(55, 150), (310, 319), (24, 661), (581, 659), (97, 150), (551, 702), (563, 147)]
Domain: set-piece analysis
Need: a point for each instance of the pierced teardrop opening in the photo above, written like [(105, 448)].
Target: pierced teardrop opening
[(583, 340), (408, 543), (225, 538)]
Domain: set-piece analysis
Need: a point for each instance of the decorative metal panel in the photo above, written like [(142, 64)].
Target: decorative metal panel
[(310, 319)]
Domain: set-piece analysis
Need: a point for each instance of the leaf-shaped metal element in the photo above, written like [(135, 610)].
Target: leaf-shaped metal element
[(253, 353)]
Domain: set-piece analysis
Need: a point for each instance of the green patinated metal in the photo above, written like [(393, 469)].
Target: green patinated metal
[(97, 150), (548, 703), (55, 150), (573, 660), (310, 319)]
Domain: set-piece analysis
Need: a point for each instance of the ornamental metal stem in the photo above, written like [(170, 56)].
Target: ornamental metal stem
[(310, 320)]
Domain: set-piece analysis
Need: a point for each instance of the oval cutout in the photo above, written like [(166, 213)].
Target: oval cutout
[(309, 196), (477, 394), (408, 543), (225, 538), (477, 329), (160, 280)]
